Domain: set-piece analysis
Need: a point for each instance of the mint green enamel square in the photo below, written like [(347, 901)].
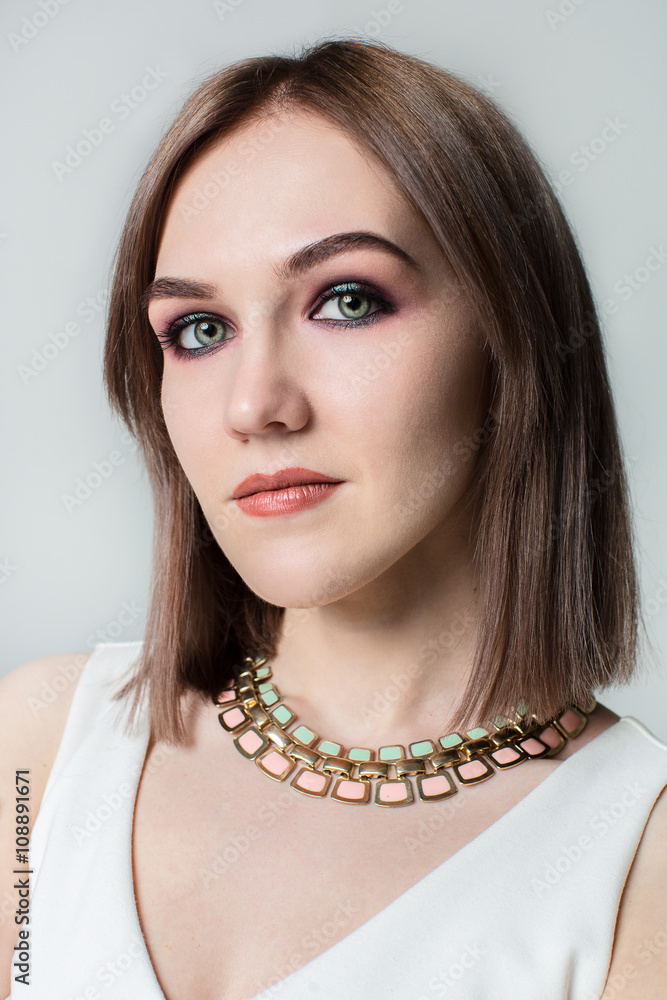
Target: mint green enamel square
[(360, 754), (304, 734), (269, 697), (477, 734), (391, 753), (422, 749), (265, 686), (263, 671), (453, 740), (329, 748), (282, 715)]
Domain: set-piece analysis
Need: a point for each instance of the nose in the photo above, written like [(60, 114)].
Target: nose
[(264, 395)]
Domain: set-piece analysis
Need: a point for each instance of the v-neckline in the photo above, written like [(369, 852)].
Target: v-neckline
[(473, 844)]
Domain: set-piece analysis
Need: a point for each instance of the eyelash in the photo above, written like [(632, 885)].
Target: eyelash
[(172, 332)]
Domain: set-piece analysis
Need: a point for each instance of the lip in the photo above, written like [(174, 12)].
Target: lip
[(259, 483)]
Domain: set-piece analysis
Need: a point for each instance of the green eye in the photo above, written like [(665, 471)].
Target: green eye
[(207, 331), (356, 305), (193, 334)]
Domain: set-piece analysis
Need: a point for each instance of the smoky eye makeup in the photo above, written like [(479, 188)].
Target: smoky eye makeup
[(345, 304)]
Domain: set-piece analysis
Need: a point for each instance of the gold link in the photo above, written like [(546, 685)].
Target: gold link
[(445, 758), (259, 716), (409, 765), (477, 746), (338, 765), (508, 734), (277, 736), (310, 757), (373, 769)]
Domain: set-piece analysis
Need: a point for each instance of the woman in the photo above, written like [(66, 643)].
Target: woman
[(352, 333)]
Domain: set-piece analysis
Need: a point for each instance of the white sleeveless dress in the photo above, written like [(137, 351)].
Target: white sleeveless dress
[(525, 909)]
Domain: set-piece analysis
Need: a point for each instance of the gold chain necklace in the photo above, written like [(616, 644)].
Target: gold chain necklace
[(252, 708)]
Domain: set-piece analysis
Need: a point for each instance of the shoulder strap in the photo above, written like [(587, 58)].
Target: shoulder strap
[(83, 913), (108, 667)]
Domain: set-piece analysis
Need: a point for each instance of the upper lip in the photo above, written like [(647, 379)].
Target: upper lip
[(279, 480)]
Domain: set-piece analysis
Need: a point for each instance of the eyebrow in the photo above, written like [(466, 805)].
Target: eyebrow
[(300, 261)]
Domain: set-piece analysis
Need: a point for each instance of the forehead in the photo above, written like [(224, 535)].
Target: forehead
[(291, 179)]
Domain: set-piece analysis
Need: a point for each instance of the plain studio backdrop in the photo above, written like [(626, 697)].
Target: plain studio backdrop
[(93, 86)]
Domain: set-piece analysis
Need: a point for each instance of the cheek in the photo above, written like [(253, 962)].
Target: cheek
[(421, 407), (186, 409)]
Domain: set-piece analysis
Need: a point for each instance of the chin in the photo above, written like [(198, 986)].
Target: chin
[(295, 581), (309, 572), (305, 590)]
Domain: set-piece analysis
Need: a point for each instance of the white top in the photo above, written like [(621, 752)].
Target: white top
[(527, 908)]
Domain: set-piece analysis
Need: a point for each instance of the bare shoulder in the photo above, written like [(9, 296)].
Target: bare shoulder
[(35, 700), (638, 966)]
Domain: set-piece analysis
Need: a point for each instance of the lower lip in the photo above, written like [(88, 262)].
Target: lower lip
[(286, 501)]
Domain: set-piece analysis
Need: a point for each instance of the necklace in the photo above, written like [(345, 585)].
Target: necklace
[(251, 708)]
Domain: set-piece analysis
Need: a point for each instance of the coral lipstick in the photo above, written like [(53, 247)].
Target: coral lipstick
[(286, 501), (285, 492)]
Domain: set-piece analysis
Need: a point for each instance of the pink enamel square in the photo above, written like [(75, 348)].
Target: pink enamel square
[(505, 755), (250, 741), (275, 763), (473, 769), (435, 785), (551, 738), (389, 792), (311, 781), (233, 717), (569, 721), (351, 789)]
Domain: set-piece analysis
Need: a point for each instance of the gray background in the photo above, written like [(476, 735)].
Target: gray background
[(72, 575)]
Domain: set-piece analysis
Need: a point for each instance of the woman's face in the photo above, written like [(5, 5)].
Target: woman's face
[(381, 386)]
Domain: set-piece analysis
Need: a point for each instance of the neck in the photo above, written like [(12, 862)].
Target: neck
[(387, 663)]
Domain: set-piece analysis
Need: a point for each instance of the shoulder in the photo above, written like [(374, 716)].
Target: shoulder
[(35, 700), (638, 966)]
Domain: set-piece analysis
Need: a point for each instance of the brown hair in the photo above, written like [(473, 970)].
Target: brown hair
[(559, 604)]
